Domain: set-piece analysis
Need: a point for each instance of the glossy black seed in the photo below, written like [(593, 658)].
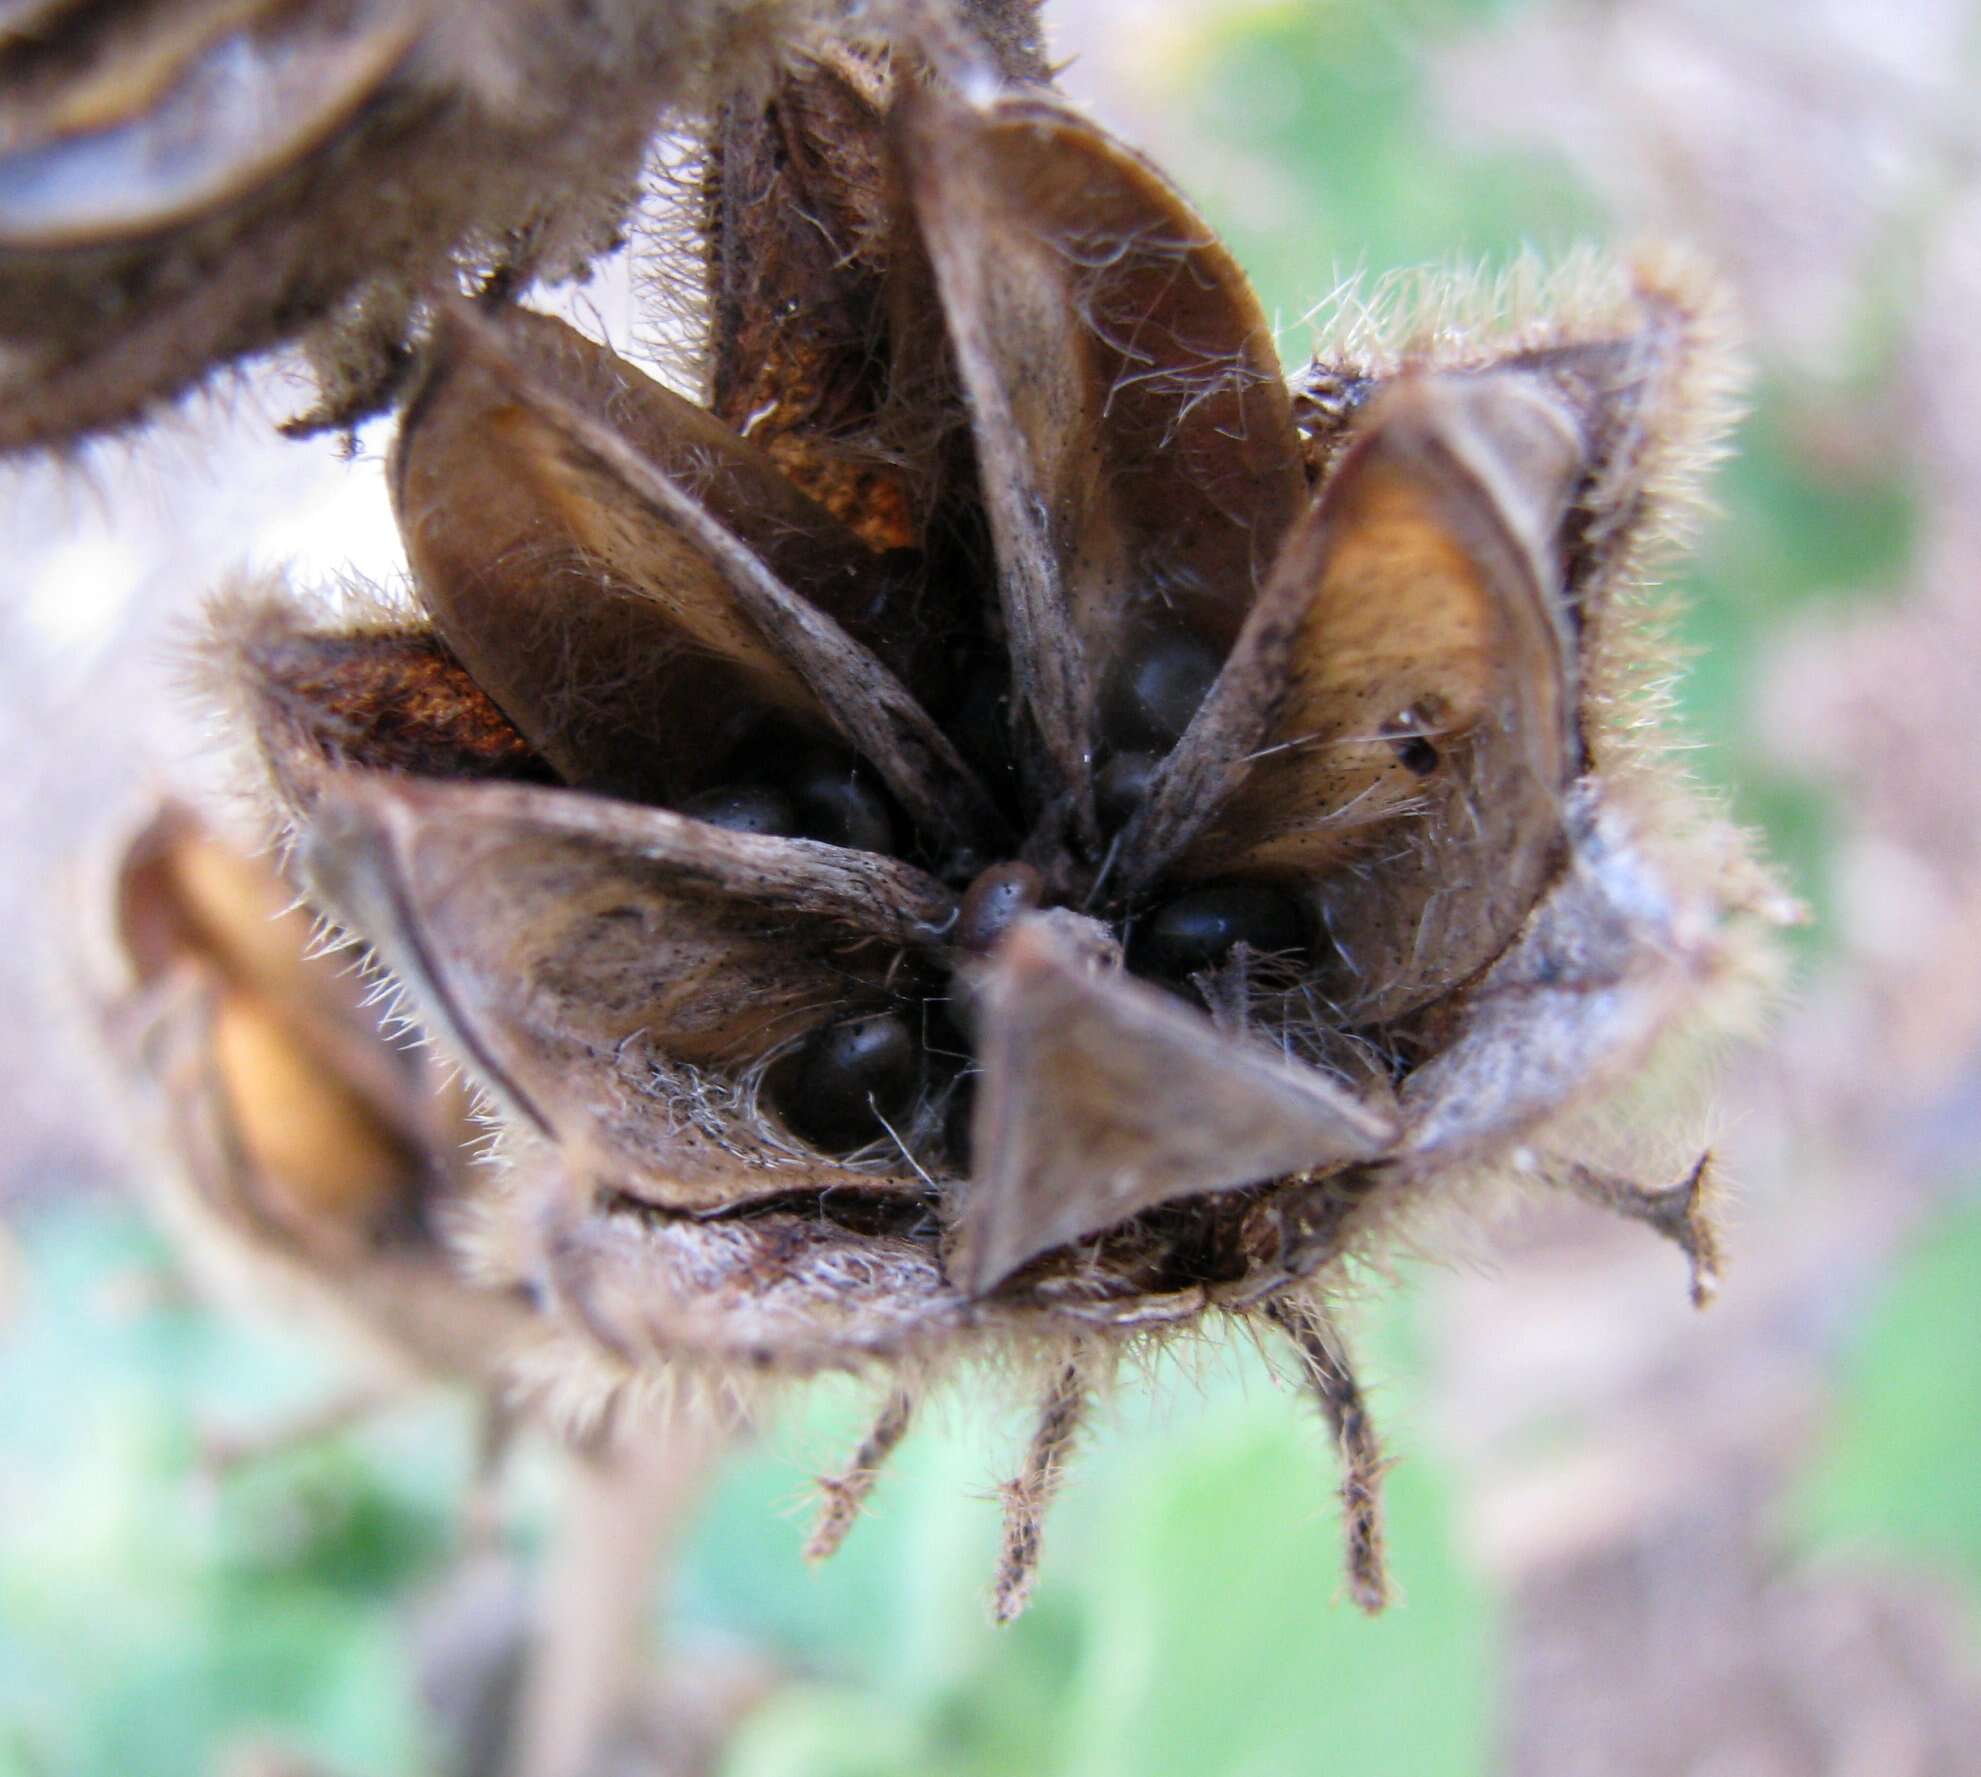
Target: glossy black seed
[(995, 902), (1416, 755), (1121, 786), (744, 808), (849, 1077), (835, 802), (1156, 689), (1200, 927)]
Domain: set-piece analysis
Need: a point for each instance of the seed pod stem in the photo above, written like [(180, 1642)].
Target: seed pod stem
[(1029, 1496), (1339, 1395), (842, 1496)]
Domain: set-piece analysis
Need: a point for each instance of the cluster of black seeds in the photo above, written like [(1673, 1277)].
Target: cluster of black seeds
[(860, 1078)]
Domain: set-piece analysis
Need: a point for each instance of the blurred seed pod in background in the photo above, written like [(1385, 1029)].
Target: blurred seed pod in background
[(307, 1167), (306, 1164), (184, 183)]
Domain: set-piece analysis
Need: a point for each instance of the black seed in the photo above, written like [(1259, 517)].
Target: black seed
[(1415, 754), (849, 1077), (995, 902), (837, 804), (1198, 928), (744, 808), (1156, 689), (1121, 786)]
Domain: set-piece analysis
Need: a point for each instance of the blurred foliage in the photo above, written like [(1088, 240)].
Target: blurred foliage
[(150, 1613), (1790, 532), (1897, 1475), (1328, 165), (1189, 1619)]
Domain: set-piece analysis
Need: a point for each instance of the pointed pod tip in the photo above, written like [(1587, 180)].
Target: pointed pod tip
[(457, 333), (973, 1267), (517, 348), (349, 825), (1102, 1098), (352, 852), (1053, 944)]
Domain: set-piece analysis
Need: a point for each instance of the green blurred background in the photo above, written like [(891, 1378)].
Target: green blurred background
[(1190, 1618)]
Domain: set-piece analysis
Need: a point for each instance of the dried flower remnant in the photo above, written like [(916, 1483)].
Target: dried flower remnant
[(1016, 830)]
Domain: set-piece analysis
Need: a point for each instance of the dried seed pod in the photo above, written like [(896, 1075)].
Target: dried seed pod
[(1258, 861)]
